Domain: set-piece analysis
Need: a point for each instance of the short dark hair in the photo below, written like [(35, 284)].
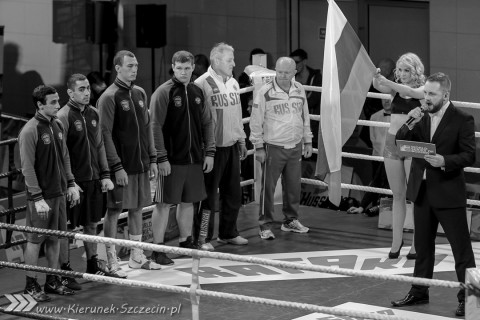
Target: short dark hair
[(95, 77), (120, 55), (302, 54), (40, 94), (201, 59), (182, 57), (73, 79), (443, 79)]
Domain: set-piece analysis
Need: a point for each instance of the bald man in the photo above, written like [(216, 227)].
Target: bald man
[(280, 132)]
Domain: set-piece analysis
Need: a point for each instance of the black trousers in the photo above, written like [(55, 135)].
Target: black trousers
[(454, 223), (225, 177)]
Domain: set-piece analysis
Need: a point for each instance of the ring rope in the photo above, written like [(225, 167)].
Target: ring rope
[(381, 159), (386, 96), (247, 182), (206, 293), (10, 173), (359, 156), (7, 245), (10, 116), (246, 89), (9, 141), (231, 257), (349, 186), (368, 123), (371, 123), (369, 189), (13, 210)]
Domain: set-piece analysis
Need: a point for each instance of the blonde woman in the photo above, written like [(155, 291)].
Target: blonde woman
[(407, 94)]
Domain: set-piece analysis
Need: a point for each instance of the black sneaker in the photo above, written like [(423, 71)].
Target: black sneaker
[(33, 288), (70, 282), (161, 258), (98, 267), (188, 244), (54, 285)]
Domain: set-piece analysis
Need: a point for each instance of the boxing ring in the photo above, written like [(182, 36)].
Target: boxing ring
[(194, 291)]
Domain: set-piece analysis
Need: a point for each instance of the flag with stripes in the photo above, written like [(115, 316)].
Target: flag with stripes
[(347, 75)]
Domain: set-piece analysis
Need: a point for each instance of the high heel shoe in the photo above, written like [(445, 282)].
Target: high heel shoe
[(394, 255)]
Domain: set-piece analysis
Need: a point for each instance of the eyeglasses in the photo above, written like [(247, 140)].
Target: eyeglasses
[(297, 61)]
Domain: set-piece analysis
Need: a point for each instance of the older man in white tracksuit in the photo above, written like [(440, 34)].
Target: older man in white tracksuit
[(280, 132)]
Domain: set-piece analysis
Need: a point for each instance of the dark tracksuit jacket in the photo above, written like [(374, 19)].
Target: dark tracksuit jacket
[(44, 158), (84, 141), (126, 128), (182, 124)]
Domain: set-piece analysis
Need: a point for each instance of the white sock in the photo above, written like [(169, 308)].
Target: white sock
[(111, 253), (135, 237)]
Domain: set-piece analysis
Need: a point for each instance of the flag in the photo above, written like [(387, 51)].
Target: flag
[(347, 75)]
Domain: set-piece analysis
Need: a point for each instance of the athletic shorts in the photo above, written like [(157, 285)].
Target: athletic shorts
[(91, 208), (185, 183), (136, 194), (56, 220), (391, 149)]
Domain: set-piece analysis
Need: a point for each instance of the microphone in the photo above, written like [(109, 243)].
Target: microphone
[(410, 119)]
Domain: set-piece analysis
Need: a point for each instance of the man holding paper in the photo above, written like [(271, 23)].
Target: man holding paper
[(437, 184)]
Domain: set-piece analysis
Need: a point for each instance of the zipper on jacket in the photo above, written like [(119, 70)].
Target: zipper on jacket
[(138, 129), (189, 127), (88, 144), (56, 152)]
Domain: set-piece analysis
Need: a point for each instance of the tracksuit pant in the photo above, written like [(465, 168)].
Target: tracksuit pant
[(286, 162), (224, 178)]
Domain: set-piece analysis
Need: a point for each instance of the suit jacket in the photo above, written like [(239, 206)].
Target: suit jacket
[(454, 139)]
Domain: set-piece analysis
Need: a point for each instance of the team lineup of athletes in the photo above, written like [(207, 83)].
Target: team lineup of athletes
[(189, 138)]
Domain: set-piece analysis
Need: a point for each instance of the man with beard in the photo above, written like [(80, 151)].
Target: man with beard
[(437, 184)]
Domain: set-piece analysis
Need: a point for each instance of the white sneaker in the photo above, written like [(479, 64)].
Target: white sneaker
[(114, 270), (206, 246), (294, 226), (113, 267), (238, 240), (139, 261), (266, 234)]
